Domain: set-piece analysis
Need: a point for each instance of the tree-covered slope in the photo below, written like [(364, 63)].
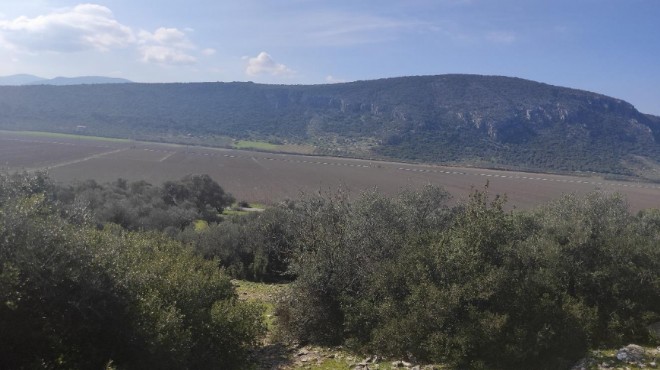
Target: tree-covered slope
[(483, 120)]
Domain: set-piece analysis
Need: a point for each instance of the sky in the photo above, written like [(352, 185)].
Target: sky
[(610, 47)]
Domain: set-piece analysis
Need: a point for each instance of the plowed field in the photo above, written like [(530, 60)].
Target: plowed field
[(267, 177)]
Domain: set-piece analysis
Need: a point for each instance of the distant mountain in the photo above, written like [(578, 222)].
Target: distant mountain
[(25, 79), (84, 80), (487, 121), (20, 79)]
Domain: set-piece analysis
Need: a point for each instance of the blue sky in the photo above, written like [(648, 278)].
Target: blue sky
[(606, 46)]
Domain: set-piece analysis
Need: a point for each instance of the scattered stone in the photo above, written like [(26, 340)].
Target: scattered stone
[(401, 364), (416, 368), (630, 353), (653, 364), (302, 352)]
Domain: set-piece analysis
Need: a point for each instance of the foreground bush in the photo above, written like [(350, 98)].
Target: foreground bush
[(75, 297), (475, 286)]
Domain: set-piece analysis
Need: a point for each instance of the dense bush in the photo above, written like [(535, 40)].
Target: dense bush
[(468, 284), (256, 247), (474, 285), (340, 246), (77, 297), (143, 206)]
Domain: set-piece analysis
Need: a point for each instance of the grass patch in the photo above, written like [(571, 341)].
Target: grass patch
[(200, 225), (234, 212), (250, 144), (56, 135), (262, 293), (270, 147), (258, 205)]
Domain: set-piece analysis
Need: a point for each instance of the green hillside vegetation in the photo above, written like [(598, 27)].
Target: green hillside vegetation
[(415, 276), (460, 119)]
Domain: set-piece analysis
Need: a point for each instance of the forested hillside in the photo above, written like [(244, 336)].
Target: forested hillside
[(463, 119)]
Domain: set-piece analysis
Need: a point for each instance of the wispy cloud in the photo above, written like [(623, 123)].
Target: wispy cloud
[(501, 37), (265, 64), (209, 51), (340, 29)]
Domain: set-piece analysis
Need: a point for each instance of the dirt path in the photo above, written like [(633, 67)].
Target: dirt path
[(68, 163)]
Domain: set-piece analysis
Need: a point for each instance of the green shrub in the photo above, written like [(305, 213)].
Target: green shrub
[(76, 297), (475, 286)]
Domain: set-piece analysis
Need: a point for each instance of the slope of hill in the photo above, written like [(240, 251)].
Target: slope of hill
[(463, 119)]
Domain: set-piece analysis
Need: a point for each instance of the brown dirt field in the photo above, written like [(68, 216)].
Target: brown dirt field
[(27, 153), (267, 178)]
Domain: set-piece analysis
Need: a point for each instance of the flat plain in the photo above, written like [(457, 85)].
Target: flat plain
[(270, 177)]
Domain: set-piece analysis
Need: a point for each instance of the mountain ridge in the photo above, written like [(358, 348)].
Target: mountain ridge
[(491, 121), (19, 79), (28, 79)]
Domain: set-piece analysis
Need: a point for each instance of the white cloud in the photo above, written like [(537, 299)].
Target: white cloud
[(501, 37), (92, 27), (166, 46), (264, 64), (165, 55), (171, 37), (83, 27)]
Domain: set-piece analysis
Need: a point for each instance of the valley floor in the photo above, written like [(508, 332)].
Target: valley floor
[(271, 177)]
